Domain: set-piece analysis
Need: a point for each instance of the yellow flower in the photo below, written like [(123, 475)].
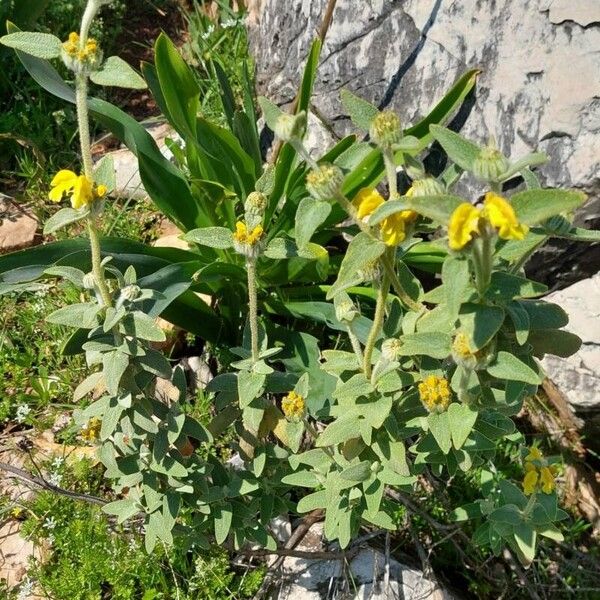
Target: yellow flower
[(243, 236), (502, 216), (293, 405), (71, 46), (393, 229), (464, 223), (91, 431), (366, 201), (547, 480), (530, 482), (435, 393), (534, 454), (461, 346), (79, 187), (536, 475)]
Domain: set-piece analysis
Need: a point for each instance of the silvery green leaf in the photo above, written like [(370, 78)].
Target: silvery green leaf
[(360, 111), (64, 217), (104, 173), (310, 215), (213, 237), (40, 45), (116, 72), (82, 315)]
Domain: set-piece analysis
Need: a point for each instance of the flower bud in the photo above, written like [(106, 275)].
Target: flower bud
[(291, 127), (254, 207), (390, 349), (386, 129), (89, 281), (428, 186), (130, 292), (325, 182), (490, 164)]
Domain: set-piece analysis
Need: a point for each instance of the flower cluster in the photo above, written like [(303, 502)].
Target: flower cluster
[(325, 182), (538, 473), (243, 236), (393, 229), (468, 221), (435, 393), (293, 406), (75, 54), (91, 431), (80, 188)]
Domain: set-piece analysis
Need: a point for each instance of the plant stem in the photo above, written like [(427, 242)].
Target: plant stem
[(83, 123), (252, 307), (382, 293), (530, 506), (482, 260), (390, 170)]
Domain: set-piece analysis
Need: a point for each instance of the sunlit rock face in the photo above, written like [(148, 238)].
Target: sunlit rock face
[(539, 87)]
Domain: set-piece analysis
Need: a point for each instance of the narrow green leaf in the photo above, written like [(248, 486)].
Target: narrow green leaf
[(460, 150), (534, 206), (64, 217), (310, 214), (213, 237), (360, 111)]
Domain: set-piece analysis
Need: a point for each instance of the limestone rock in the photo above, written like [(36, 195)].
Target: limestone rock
[(539, 86), (18, 226), (578, 376), (361, 578)]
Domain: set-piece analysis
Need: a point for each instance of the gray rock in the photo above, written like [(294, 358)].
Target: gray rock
[(578, 376), (539, 86), (360, 579)]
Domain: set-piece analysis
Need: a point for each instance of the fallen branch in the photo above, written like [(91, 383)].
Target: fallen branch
[(40, 483)]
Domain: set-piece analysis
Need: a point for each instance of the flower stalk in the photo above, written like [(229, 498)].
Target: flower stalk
[(382, 294), (252, 307)]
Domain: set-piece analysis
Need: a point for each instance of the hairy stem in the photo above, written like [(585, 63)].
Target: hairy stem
[(390, 171), (97, 269), (482, 260), (355, 345), (252, 307), (382, 293)]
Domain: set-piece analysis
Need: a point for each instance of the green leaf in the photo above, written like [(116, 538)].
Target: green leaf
[(439, 207), (461, 151), (72, 274), (461, 419), (114, 363), (338, 431), (178, 86), (481, 322), (526, 539), (534, 206), (362, 250), (122, 509), (40, 45), (544, 315), (439, 426), (520, 319), (271, 112), (456, 277), (308, 77), (555, 342), (310, 214), (223, 516), (250, 386), (145, 327), (357, 473), (388, 208), (116, 72), (466, 512), (508, 366), (64, 217), (580, 234), (302, 479), (373, 496), (530, 160), (360, 111), (81, 315), (213, 237), (104, 173), (436, 345), (505, 286), (312, 501)]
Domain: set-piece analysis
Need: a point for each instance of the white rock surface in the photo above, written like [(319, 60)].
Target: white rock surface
[(578, 376), (360, 579)]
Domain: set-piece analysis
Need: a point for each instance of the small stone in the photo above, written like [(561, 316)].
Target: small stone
[(18, 226), (200, 372)]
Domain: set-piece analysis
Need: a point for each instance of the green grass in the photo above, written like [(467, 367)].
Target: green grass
[(92, 558)]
